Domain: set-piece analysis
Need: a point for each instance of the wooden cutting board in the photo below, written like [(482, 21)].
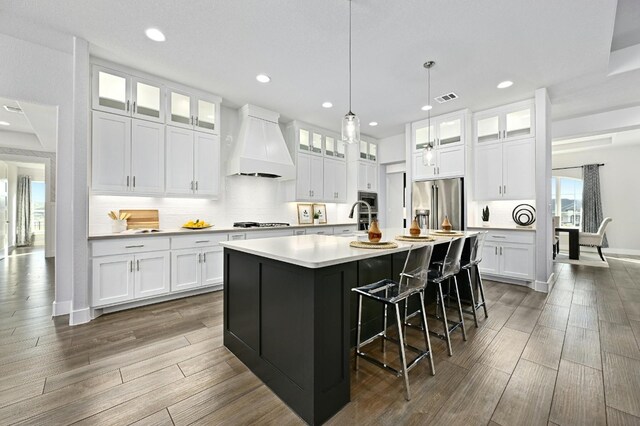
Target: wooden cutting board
[(142, 219)]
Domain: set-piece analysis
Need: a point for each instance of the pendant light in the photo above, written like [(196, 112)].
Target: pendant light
[(350, 122), (428, 153)]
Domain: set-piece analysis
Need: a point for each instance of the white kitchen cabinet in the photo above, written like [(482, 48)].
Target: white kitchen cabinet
[(335, 180), (334, 146), (212, 266), (192, 111), (124, 94), (185, 269), (122, 278), (309, 177), (113, 279), (193, 163), (506, 123), (509, 254), (127, 155), (447, 162), (368, 150), (367, 176), (505, 171), (421, 171), (446, 131)]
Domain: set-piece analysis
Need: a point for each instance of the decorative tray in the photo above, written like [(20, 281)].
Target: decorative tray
[(447, 233), (200, 227), (416, 238), (370, 245)]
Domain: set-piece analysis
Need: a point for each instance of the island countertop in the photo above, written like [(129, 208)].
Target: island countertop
[(319, 251)]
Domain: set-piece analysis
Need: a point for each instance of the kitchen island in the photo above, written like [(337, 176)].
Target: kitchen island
[(288, 315)]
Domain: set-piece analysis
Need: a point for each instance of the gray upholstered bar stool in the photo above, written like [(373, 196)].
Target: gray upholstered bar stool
[(445, 271), (390, 293), (475, 257)]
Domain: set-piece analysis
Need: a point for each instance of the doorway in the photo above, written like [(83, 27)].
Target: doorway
[(396, 199)]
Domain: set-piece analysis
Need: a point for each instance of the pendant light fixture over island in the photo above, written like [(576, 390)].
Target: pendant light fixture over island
[(427, 154), (350, 122)]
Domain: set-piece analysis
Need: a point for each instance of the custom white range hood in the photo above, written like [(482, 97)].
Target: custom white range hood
[(260, 149)]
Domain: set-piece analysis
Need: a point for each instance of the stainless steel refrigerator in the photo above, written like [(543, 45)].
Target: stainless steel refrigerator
[(442, 197)]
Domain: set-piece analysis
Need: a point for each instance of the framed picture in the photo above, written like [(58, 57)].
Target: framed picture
[(321, 209), (305, 214)]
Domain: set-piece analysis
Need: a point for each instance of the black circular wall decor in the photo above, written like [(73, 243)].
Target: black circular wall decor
[(524, 214)]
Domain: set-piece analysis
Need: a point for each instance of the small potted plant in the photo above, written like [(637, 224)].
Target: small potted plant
[(316, 218), (485, 216)]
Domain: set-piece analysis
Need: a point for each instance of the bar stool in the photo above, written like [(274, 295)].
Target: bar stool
[(446, 270), (475, 257), (391, 293)]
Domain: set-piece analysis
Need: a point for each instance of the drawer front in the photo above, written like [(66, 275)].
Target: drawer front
[(343, 230), (254, 235), (235, 236), (325, 230), (299, 232), (194, 241), (521, 237), (129, 245)]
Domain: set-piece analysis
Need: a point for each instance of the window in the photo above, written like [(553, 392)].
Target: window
[(37, 207), (568, 204)]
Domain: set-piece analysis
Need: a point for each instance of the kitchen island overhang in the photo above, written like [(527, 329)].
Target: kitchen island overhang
[(287, 313)]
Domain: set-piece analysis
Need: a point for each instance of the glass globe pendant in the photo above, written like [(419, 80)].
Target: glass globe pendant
[(350, 122), (427, 153)]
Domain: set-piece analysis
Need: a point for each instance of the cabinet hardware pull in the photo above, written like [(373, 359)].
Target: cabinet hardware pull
[(500, 189), (134, 181), (137, 265), (131, 266), (202, 241), (196, 185), (504, 191), (199, 257), (197, 121), (192, 185), (135, 110), (496, 250), (500, 251), (127, 181), (127, 105), (499, 236), (136, 246), (204, 258), (191, 120)]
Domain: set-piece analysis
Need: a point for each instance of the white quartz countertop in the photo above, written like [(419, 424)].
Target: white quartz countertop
[(213, 229), (319, 251), (503, 228)]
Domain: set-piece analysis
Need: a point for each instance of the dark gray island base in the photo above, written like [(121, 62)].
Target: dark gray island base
[(293, 325)]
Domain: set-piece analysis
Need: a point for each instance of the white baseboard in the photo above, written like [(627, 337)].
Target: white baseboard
[(61, 308), (631, 252), (544, 286), (80, 316)]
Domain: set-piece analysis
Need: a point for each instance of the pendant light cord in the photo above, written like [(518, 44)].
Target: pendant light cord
[(429, 100), (350, 1)]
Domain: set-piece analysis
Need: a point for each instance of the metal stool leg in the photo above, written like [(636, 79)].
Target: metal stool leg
[(481, 287), (445, 323), (384, 324), (426, 333), (455, 285), (473, 298), (358, 330), (403, 357)]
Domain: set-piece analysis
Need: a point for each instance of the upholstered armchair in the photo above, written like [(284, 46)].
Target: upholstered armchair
[(595, 240)]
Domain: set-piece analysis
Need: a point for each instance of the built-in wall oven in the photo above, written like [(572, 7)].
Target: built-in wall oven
[(370, 198)]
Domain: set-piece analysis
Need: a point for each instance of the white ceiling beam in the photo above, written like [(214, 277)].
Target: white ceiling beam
[(596, 124), (624, 60)]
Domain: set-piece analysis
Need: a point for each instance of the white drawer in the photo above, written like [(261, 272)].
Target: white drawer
[(325, 230), (521, 237), (346, 229), (195, 241), (300, 232), (129, 245), (234, 236), (254, 235)]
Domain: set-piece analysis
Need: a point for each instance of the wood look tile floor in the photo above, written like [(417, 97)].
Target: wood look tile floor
[(567, 358)]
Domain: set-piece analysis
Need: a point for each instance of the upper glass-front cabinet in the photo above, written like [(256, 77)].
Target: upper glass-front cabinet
[(368, 150), (450, 132), (444, 130), (120, 93), (424, 134), (511, 122), (316, 143), (191, 112), (303, 140)]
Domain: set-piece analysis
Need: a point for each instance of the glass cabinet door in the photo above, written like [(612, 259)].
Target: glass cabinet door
[(518, 123), (450, 132), (205, 115), (316, 143), (488, 129), (147, 101), (303, 143), (364, 149), (329, 146), (340, 148), (111, 91), (373, 152), (423, 136), (180, 109)]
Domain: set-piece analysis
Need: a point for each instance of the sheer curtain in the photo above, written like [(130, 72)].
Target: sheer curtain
[(591, 200), (23, 207)]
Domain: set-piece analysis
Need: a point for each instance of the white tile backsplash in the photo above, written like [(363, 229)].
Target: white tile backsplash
[(245, 198), (499, 212)]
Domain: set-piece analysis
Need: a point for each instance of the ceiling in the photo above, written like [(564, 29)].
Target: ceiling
[(36, 127), (220, 46), (17, 122), (627, 29), (611, 140)]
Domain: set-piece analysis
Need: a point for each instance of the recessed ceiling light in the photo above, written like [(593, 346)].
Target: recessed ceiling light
[(155, 34), (263, 78), (426, 107), (505, 84), (373, 123), (4, 123), (327, 105)]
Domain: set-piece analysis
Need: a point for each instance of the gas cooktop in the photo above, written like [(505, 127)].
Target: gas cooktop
[(258, 225)]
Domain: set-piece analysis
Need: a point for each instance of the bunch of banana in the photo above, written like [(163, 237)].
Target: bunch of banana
[(197, 224)]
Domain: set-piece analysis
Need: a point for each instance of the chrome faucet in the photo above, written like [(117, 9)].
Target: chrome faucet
[(353, 207)]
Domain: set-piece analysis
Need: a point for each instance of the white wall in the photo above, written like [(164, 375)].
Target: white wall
[(34, 73), (36, 173), (392, 149), (619, 181)]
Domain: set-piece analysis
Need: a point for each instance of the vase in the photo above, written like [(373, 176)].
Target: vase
[(316, 221), (414, 230), (374, 232), (118, 226), (446, 225), (485, 223)]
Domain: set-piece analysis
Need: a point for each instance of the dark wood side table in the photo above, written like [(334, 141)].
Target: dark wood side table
[(574, 242)]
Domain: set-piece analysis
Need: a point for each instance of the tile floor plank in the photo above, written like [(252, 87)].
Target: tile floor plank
[(544, 347), (582, 346), (622, 383)]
